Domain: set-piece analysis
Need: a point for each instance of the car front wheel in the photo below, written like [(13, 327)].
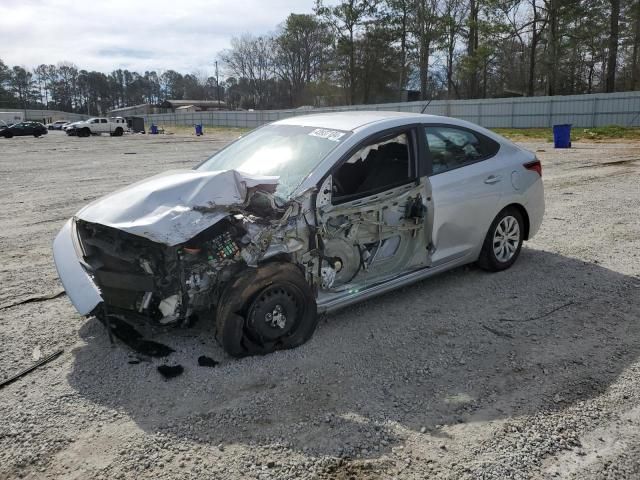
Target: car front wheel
[(266, 309), (503, 242)]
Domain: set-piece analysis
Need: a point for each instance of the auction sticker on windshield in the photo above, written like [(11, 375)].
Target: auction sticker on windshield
[(333, 135)]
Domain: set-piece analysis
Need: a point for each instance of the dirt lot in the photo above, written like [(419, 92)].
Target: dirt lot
[(529, 373)]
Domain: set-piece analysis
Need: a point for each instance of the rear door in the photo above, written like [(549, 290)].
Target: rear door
[(467, 177), (374, 212), (27, 128)]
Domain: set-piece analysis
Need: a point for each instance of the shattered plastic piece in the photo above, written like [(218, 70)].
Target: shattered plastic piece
[(132, 338), (168, 307), (170, 371), (205, 361)]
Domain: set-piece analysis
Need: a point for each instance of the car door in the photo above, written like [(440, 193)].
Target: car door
[(467, 178), (374, 212), (20, 129)]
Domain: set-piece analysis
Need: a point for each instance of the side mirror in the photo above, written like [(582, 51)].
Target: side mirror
[(324, 194)]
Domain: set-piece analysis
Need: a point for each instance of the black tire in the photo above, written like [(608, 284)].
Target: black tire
[(246, 322), (85, 132), (36, 135), (8, 135), (489, 260), (118, 132)]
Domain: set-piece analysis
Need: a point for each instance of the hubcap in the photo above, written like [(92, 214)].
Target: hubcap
[(506, 239)]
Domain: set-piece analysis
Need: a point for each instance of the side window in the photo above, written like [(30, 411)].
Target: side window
[(452, 147), (103, 120), (381, 164), (95, 121)]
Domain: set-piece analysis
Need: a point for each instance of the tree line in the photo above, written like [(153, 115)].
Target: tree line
[(371, 51)]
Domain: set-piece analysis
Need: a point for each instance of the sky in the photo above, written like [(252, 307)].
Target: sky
[(139, 35)]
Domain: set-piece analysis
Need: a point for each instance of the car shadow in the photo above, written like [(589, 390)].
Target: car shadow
[(465, 346)]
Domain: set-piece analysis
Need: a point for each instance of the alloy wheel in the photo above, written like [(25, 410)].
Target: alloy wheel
[(506, 239)]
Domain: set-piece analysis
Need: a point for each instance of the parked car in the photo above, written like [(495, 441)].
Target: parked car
[(301, 216), (70, 128), (57, 125), (23, 128), (96, 126)]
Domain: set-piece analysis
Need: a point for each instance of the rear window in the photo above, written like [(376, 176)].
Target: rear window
[(452, 147)]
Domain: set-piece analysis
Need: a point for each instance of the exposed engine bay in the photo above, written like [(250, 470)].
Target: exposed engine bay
[(170, 284)]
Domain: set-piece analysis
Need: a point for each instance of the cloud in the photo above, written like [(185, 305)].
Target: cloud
[(138, 35)]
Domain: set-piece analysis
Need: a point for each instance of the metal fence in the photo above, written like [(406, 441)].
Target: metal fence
[(585, 111)]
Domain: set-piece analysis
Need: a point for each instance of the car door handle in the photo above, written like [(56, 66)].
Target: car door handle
[(492, 179)]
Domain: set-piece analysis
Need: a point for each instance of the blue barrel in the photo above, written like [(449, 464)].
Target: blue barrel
[(154, 129), (198, 129), (562, 136)]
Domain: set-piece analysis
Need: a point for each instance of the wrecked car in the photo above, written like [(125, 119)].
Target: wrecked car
[(302, 216)]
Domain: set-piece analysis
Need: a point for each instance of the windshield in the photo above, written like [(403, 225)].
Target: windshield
[(290, 152)]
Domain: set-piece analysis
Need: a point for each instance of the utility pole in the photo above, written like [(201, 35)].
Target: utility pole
[(217, 84)]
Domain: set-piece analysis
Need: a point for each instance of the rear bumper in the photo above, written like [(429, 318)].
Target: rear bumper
[(535, 207), (80, 287)]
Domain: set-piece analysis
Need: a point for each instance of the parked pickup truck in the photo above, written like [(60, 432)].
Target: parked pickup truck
[(98, 125)]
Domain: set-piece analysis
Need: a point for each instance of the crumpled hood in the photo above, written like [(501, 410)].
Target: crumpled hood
[(164, 209)]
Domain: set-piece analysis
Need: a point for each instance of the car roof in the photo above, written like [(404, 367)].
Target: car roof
[(353, 120)]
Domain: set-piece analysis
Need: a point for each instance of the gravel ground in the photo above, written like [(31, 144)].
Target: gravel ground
[(528, 373)]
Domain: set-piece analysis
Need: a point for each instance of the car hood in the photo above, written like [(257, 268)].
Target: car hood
[(173, 207)]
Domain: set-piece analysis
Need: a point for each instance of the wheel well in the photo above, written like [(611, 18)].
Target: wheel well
[(525, 217)]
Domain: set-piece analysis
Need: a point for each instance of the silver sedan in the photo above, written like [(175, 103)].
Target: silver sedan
[(301, 216)]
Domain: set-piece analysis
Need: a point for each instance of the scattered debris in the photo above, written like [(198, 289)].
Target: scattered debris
[(499, 333), (205, 361), (34, 298), (170, 371), (538, 317), (36, 354), (133, 339), (22, 373)]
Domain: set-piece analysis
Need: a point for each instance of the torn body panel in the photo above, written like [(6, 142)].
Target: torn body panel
[(369, 239), (145, 255)]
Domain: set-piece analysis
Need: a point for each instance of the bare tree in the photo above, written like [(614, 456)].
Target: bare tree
[(252, 58), (302, 49), (347, 20), (612, 60), (427, 30)]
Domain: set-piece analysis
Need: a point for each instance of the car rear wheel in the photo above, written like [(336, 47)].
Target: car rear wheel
[(8, 135), (266, 309), (503, 242)]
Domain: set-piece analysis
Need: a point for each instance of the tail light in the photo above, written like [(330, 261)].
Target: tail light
[(534, 166)]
